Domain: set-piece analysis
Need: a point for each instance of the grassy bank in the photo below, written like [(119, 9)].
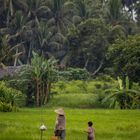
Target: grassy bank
[(109, 124)]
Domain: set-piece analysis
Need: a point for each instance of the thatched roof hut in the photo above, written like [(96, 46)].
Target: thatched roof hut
[(9, 71)]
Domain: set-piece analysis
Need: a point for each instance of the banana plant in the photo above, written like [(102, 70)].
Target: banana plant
[(40, 75), (123, 96), (36, 67)]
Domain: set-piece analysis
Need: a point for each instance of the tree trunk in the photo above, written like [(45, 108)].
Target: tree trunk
[(46, 93), (16, 57), (97, 70), (86, 63), (42, 96), (29, 54), (49, 90), (37, 93)]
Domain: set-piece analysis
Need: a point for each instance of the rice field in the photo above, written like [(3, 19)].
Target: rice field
[(108, 124)]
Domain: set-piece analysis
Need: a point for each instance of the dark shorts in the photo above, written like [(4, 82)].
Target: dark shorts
[(61, 134)]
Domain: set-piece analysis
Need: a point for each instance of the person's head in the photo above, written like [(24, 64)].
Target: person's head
[(90, 123)]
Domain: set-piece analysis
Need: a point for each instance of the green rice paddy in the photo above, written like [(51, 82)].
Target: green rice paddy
[(108, 124)]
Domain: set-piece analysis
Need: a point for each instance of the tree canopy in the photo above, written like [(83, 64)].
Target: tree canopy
[(125, 57), (77, 33)]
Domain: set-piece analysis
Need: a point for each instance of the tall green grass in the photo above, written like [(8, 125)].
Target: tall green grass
[(109, 124), (73, 100), (80, 94)]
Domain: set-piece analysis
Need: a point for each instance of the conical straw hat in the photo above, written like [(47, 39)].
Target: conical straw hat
[(59, 111)]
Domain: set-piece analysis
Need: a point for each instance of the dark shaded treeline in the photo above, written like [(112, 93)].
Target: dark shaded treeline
[(77, 33)]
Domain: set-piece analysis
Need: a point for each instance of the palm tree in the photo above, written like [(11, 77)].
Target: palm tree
[(37, 9), (18, 26), (4, 49), (61, 15), (114, 11), (45, 18), (82, 9), (50, 44), (88, 9), (119, 19), (7, 52), (9, 7), (14, 28)]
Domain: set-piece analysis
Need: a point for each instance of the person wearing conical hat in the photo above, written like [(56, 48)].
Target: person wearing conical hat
[(60, 125)]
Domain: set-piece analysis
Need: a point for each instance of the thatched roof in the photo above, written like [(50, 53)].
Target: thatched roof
[(9, 71)]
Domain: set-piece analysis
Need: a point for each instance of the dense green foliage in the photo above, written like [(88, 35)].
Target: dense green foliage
[(44, 25), (88, 42), (36, 80), (108, 124), (124, 96), (69, 40), (99, 93), (127, 61), (10, 98), (74, 74), (70, 53)]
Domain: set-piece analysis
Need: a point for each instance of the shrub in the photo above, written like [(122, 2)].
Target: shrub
[(5, 107), (74, 74), (9, 98)]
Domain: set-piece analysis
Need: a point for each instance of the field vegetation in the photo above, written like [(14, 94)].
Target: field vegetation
[(109, 124)]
